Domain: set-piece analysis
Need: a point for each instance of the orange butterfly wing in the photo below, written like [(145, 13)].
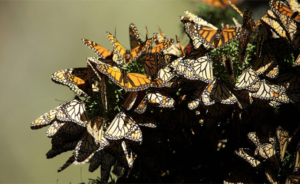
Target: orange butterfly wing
[(99, 50)]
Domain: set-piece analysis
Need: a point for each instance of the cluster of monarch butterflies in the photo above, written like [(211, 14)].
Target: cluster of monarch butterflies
[(176, 120)]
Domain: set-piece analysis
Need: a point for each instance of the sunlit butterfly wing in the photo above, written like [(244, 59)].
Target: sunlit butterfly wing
[(95, 129), (123, 126), (196, 20), (281, 8), (247, 156), (134, 36), (54, 128), (247, 79), (283, 140), (126, 55), (98, 49), (75, 112), (165, 74), (159, 47), (272, 74), (297, 160), (159, 37), (127, 81), (202, 68), (45, 119), (76, 79), (269, 91)]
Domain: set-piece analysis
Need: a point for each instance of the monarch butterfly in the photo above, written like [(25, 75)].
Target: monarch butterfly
[(228, 66), (127, 81), (130, 99), (272, 74), (159, 37), (271, 20), (95, 129), (77, 79), (202, 68), (160, 47), (123, 126), (72, 160), (212, 37), (265, 147), (247, 79), (98, 49), (246, 154), (85, 147), (175, 49), (197, 98), (291, 81), (195, 20), (73, 111), (165, 75), (45, 119), (127, 56), (293, 178), (62, 144), (152, 63), (155, 98), (280, 8), (135, 40), (264, 62), (182, 68), (283, 138), (269, 91), (216, 91), (290, 21), (244, 98)]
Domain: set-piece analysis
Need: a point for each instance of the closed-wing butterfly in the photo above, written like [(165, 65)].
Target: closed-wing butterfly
[(135, 40), (85, 147), (269, 91), (159, 37), (77, 79), (201, 68), (73, 111), (45, 119), (270, 174), (123, 127), (247, 79), (283, 138), (264, 62), (175, 49), (152, 63), (155, 98), (216, 91), (95, 129), (291, 10), (294, 178), (127, 81), (273, 73), (246, 154), (127, 56)]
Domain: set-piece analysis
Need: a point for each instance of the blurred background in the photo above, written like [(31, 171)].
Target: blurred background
[(40, 37)]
